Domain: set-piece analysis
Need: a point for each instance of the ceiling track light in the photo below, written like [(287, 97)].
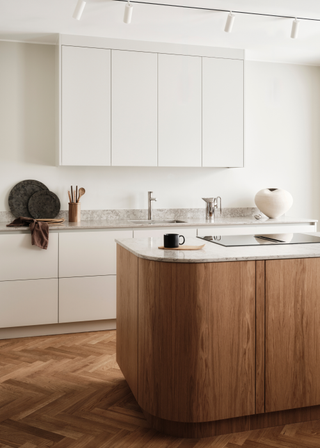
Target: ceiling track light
[(79, 9), (295, 28), (229, 22), (128, 10), (230, 18)]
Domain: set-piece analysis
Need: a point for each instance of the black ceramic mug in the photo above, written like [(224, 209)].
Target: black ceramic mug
[(172, 240)]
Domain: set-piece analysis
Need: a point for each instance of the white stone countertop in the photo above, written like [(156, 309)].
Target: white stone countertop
[(103, 224), (147, 248)]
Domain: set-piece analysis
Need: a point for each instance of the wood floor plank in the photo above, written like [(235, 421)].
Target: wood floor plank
[(67, 391)]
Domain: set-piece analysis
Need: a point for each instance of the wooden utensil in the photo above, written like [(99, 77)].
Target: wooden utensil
[(69, 196), (71, 193), (81, 193)]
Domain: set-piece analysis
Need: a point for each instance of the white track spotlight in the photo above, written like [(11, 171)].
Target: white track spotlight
[(229, 22), (79, 10), (295, 29), (128, 10)]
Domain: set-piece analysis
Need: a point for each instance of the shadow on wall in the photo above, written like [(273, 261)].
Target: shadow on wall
[(28, 103)]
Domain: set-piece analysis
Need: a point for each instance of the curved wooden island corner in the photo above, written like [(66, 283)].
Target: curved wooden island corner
[(220, 340)]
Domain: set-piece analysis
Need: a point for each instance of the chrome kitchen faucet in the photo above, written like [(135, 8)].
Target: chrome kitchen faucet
[(150, 199), (212, 205)]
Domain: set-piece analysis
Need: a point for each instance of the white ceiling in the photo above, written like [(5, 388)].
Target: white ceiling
[(263, 38)]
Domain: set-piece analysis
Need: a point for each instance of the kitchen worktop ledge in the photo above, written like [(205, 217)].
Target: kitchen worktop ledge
[(147, 248), (96, 224)]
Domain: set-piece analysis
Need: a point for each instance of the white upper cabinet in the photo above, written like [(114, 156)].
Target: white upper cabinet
[(222, 112), (179, 110), (134, 108), (127, 103), (85, 106)]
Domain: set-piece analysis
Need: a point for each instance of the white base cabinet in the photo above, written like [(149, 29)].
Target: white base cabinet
[(28, 302), (87, 275), (89, 253), (20, 260), (87, 298), (35, 291)]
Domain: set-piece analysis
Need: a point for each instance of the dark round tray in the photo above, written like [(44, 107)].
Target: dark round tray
[(44, 204), (20, 195)]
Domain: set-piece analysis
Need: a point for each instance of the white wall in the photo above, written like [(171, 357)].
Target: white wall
[(282, 142)]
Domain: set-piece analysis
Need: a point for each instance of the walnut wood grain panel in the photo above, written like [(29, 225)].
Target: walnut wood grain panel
[(240, 424), (260, 335), (196, 340), (127, 315), (292, 334)]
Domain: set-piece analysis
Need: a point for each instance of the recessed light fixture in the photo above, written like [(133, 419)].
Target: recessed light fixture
[(229, 22), (79, 9), (295, 28), (128, 10)]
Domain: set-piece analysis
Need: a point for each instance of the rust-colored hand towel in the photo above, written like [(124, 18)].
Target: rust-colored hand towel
[(39, 230)]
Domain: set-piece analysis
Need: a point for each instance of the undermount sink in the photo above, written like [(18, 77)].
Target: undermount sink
[(157, 221)]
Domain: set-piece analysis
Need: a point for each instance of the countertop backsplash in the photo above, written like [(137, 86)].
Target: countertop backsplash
[(171, 213)]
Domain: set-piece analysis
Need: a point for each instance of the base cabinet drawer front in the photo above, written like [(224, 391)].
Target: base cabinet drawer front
[(158, 233), (21, 261), (28, 302), (88, 253), (87, 298)]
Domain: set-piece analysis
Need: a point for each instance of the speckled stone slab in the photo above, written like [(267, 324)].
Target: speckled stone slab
[(147, 248), (122, 219), (20, 195)]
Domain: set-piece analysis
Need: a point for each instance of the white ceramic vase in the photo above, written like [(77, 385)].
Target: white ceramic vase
[(273, 202)]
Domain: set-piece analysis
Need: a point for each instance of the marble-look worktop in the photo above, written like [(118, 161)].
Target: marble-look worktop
[(147, 248), (100, 224)]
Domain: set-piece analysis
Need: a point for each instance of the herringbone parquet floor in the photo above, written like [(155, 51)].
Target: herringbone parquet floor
[(68, 392)]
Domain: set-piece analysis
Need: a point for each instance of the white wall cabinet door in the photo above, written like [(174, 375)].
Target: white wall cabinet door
[(222, 112), (89, 253), (28, 302), (179, 109), (134, 108), (85, 106), (87, 298)]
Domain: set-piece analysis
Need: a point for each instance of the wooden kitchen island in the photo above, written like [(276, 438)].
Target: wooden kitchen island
[(220, 340)]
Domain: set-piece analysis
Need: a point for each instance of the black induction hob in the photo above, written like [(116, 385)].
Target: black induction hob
[(261, 240)]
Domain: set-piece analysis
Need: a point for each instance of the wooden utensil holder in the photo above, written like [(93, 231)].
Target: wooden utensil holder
[(74, 211)]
